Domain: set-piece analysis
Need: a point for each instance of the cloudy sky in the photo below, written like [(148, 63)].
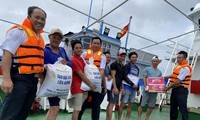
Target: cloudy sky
[(152, 19)]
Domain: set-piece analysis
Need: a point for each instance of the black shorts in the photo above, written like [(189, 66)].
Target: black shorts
[(54, 101), (112, 98)]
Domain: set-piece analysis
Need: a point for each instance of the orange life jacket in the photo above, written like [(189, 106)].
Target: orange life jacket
[(176, 72), (29, 55), (96, 57)]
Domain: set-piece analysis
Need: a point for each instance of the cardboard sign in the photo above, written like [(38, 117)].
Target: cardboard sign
[(156, 84)]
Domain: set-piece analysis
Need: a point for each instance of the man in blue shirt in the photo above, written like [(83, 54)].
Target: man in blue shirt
[(130, 88), (52, 52)]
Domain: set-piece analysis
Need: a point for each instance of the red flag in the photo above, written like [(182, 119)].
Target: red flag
[(124, 30)]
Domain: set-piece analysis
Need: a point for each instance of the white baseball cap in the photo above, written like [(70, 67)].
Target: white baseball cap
[(121, 51), (56, 30), (156, 57)]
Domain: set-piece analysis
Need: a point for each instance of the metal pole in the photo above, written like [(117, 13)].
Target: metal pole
[(104, 22), (99, 19), (169, 39), (188, 58), (170, 60), (196, 57), (101, 23), (155, 43), (193, 59), (102, 8), (89, 13), (181, 12), (15, 23), (129, 24)]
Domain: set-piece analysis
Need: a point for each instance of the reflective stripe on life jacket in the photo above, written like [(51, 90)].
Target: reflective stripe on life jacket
[(96, 57)]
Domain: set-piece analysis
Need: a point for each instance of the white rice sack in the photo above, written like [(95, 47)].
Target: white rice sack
[(93, 74), (57, 81)]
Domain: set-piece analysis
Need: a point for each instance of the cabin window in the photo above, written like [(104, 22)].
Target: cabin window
[(109, 46), (86, 43), (86, 40), (86, 46), (106, 46)]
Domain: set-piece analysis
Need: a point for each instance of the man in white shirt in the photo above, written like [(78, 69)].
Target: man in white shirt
[(94, 53), (22, 62), (180, 81)]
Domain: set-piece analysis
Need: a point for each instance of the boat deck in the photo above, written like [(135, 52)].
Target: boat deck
[(156, 115)]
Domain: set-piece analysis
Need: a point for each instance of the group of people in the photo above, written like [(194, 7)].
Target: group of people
[(24, 56)]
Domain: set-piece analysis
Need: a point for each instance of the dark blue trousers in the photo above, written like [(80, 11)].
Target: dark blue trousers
[(18, 103), (179, 100), (97, 99)]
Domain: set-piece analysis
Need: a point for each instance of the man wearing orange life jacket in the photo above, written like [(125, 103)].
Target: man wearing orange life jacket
[(180, 81), (94, 98), (23, 59)]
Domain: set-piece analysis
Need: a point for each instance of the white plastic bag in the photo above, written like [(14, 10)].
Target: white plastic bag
[(57, 81), (93, 74), (109, 83)]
